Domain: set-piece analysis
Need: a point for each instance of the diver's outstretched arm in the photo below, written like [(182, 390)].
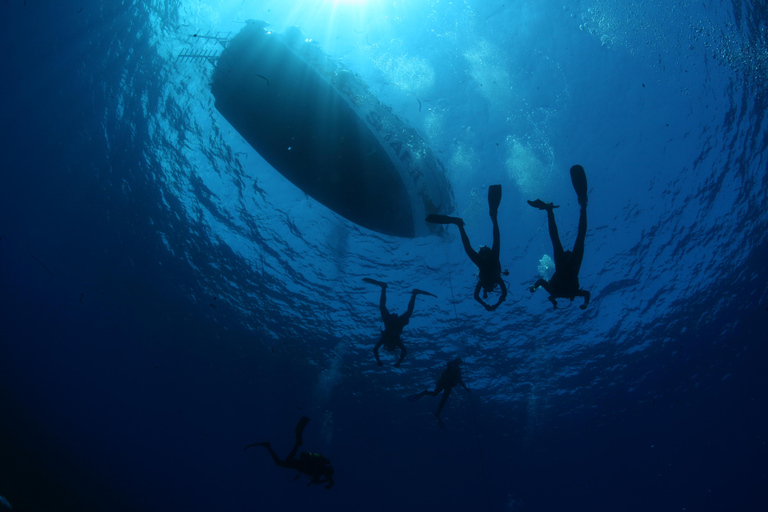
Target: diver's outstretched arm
[(503, 297), (503, 287), (540, 283), (478, 299)]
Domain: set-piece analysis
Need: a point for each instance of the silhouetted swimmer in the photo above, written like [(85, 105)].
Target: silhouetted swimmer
[(393, 324), (450, 378), (486, 259), (317, 466), (564, 284)]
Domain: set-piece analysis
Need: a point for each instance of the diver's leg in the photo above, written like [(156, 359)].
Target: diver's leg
[(411, 304), (299, 437), (553, 235), (496, 249), (300, 426), (578, 247), (586, 295), (494, 199), (383, 302), (376, 350), (403, 351), (268, 446), (436, 392), (417, 396), (446, 393)]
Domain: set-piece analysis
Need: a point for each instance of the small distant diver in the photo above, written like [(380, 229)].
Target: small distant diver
[(450, 378), (564, 284), (487, 260), (393, 324), (317, 466)]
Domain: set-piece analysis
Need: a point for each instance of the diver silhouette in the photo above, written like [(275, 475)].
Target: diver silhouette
[(450, 378), (564, 284), (486, 259), (317, 466), (393, 324)]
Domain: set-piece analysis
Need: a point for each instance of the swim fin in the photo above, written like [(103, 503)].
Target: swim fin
[(266, 444), (541, 205), (494, 198), (444, 219), (579, 180), (422, 292), (439, 420), (373, 281), (414, 398)]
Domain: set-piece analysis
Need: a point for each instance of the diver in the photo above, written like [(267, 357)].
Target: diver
[(313, 464), (393, 324), (450, 378), (564, 284), (487, 260)]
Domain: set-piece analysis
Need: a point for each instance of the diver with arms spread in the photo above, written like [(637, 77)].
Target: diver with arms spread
[(486, 259), (393, 324), (564, 284)]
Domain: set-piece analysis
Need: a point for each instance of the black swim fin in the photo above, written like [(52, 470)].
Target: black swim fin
[(373, 281), (579, 180), (494, 198), (422, 292), (444, 219), (541, 205), (266, 444), (414, 398)]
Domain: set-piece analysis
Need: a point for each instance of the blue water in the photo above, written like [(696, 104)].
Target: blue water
[(167, 298)]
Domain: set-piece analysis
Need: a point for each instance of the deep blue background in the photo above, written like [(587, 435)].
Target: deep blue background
[(165, 301)]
